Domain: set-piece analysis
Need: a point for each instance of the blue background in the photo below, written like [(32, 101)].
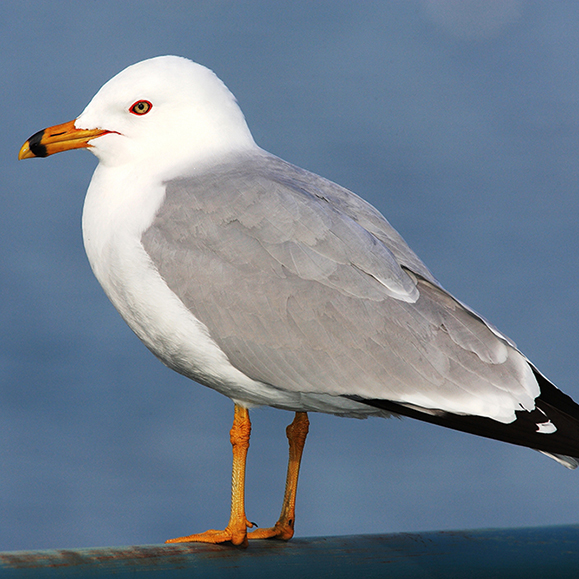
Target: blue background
[(458, 119)]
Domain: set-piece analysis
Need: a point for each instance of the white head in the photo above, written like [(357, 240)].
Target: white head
[(191, 118)]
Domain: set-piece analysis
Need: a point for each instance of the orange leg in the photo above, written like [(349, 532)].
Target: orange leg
[(284, 528), (236, 530)]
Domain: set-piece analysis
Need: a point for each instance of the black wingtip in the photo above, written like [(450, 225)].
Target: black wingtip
[(551, 405)]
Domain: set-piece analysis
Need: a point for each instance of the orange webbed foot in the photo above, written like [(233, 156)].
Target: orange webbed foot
[(281, 531), (227, 535)]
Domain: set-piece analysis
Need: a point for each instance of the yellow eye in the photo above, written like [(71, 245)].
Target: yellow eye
[(141, 108)]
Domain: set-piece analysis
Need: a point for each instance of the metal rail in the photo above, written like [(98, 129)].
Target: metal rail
[(546, 552)]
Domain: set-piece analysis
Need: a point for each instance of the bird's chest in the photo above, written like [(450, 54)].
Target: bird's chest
[(116, 212), (115, 215), (112, 231)]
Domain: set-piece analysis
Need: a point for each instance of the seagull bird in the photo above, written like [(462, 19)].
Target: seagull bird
[(275, 286)]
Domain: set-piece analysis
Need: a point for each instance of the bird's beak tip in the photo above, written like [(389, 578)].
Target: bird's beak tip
[(25, 152)]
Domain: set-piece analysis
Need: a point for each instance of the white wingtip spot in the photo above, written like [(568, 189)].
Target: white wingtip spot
[(546, 427)]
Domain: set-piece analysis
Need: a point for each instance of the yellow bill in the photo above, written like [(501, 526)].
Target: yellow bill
[(58, 138)]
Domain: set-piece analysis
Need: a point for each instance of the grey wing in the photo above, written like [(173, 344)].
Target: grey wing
[(306, 287)]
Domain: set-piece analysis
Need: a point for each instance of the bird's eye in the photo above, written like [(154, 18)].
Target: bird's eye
[(141, 108)]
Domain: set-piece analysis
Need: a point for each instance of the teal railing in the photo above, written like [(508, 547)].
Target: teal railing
[(545, 552)]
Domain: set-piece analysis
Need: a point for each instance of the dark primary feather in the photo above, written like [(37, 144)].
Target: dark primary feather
[(552, 403), (308, 288)]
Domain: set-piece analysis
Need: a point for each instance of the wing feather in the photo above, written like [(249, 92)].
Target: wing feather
[(308, 288)]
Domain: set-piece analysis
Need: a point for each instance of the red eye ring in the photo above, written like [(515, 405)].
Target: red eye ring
[(141, 107)]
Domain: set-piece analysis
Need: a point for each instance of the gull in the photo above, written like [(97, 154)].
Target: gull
[(275, 286)]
